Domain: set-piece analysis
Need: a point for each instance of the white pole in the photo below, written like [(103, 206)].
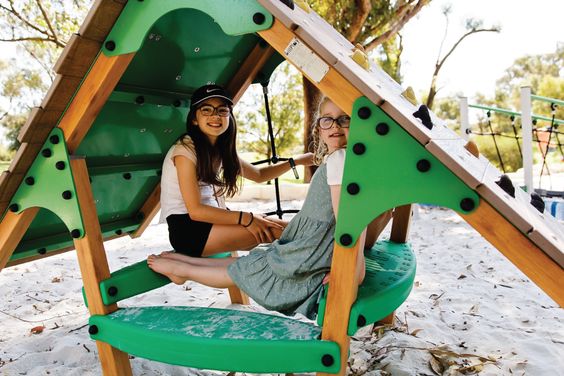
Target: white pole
[(464, 123), (527, 131)]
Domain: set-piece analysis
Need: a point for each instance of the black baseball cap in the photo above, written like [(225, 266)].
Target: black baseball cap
[(209, 91)]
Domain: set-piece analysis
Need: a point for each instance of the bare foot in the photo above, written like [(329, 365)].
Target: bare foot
[(171, 255), (166, 267)]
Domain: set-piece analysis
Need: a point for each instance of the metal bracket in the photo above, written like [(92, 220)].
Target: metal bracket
[(385, 167), (49, 184)]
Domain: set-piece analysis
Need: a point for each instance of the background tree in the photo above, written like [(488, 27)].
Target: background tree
[(473, 26), (40, 29)]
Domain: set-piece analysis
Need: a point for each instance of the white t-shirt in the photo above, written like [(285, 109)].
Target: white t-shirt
[(171, 197), (335, 167)]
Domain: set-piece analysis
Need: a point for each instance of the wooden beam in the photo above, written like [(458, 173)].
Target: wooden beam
[(333, 85), (343, 288), (149, 209), (94, 267), (248, 71), (521, 251), (91, 97), (401, 224), (12, 230)]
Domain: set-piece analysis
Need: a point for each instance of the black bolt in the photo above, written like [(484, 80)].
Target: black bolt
[(60, 165), (346, 239), (361, 321), (467, 204), (112, 291), (359, 148), (140, 99), (14, 208), (159, 172), (364, 113), (119, 232), (110, 45), (46, 153), (30, 180), (423, 165), (177, 103), (327, 360), (67, 195), (54, 139), (259, 18), (353, 188), (127, 176), (92, 329), (75, 234), (42, 251), (382, 129)]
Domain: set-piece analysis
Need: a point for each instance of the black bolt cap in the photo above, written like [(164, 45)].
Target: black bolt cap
[(359, 148), (110, 45), (112, 291), (423, 165), (75, 234), (140, 99), (46, 153), (54, 139), (14, 208), (92, 329), (361, 321), (353, 188), (42, 251), (346, 239), (505, 183), (364, 112), (423, 114), (467, 204), (60, 165), (67, 195), (382, 129), (127, 176), (327, 360), (259, 18), (177, 103), (30, 180), (119, 232)]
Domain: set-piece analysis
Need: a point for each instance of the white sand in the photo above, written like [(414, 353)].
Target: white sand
[(469, 306)]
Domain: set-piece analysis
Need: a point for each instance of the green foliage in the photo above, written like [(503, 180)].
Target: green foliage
[(40, 29), (286, 108), (512, 160)]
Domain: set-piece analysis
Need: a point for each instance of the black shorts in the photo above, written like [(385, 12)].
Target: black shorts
[(187, 236)]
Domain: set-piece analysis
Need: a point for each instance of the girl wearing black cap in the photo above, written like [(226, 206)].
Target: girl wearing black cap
[(200, 169)]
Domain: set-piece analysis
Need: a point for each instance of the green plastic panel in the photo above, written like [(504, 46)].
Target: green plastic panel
[(384, 174), (49, 184), (235, 17), (390, 272), (219, 339)]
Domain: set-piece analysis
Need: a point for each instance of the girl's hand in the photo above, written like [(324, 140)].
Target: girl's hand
[(261, 227), (326, 278), (304, 159)]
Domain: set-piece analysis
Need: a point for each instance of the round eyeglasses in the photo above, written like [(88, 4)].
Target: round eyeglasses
[(326, 122), (209, 110)]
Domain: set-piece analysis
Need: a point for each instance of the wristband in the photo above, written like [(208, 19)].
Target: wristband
[(252, 218)]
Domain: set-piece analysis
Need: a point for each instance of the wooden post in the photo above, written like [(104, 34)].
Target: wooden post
[(401, 224), (341, 296), (94, 267), (12, 230)]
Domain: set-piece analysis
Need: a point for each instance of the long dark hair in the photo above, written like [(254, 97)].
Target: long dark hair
[(223, 151)]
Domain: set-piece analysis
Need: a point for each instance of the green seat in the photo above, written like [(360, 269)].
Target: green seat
[(390, 271), (220, 339)]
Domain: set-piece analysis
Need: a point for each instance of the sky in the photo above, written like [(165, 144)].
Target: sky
[(528, 27)]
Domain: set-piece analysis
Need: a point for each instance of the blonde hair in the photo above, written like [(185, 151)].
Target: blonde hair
[(317, 146)]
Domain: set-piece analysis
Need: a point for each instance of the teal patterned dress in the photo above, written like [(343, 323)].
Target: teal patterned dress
[(286, 275)]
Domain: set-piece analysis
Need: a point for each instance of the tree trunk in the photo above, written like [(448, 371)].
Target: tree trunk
[(311, 99)]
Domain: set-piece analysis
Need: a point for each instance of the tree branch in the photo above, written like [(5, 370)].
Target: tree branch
[(359, 18), (46, 18), (16, 14)]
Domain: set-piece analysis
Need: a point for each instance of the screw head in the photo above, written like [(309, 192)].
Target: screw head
[(92, 329), (14, 208), (46, 153), (67, 195), (127, 176), (30, 180), (467, 204), (54, 139), (364, 112), (75, 234), (382, 129), (60, 165), (112, 291), (327, 360), (259, 18), (353, 188), (110, 45), (359, 148), (423, 165), (346, 239)]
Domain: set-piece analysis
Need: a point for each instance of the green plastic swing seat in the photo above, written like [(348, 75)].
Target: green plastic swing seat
[(191, 336)]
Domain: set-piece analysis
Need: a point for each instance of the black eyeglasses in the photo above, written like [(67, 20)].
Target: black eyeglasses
[(209, 110), (326, 122)]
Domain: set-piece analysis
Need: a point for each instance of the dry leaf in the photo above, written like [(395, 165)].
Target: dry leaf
[(436, 366), (56, 280), (414, 333), (37, 329), (462, 276)]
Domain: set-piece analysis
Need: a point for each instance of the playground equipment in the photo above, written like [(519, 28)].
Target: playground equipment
[(119, 101), (544, 138)]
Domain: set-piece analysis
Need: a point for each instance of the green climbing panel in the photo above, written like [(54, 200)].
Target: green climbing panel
[(385, 167), (390, 271), (220, 339), (49, 184)]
